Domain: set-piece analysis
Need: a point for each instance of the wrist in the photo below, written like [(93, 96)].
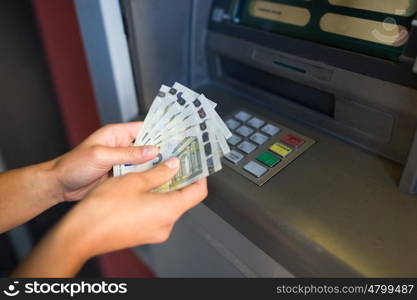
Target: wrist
[(74, 233), (41, 184), (50, 187), (59, 254), (70, 237)]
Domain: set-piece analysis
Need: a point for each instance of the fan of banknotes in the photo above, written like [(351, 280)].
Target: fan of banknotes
[(183, 124)]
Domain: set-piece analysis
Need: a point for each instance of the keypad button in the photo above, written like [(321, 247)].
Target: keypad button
[(268, 159), (234, 156), (281, 149), (246, 147), (245, 131), (242, 116), (259, 138), (255, 169), (256, 123), (232, 124), (270, 129), (234, 140), (293, 140)]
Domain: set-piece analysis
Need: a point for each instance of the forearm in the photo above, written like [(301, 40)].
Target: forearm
[(25, 193), (60, 254)]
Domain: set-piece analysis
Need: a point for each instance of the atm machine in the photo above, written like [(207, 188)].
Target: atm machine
[(321, 96)]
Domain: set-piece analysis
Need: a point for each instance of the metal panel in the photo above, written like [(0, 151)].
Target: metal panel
[(408, 183), (415, 64), (387, 98), (108, 57), (159, 36), (204, 245)]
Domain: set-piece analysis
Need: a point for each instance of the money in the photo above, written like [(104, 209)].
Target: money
[(183, 124)]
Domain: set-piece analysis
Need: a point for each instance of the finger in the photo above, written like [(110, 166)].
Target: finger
[(124, 134), (202, 181), (120, 135), (186, 198), (132, 128), (159, 175), (108, 156)]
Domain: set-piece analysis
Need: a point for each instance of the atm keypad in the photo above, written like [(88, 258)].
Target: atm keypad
[(260, 148)]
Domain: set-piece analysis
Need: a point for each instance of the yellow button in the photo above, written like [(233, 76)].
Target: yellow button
[(280, 149)]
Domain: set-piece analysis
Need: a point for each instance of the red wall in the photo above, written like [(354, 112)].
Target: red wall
[(61, 36), (60, 33)]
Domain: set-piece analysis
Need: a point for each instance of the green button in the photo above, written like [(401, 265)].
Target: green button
[(268, 159)]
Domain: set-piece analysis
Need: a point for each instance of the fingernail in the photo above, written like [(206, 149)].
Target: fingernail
[(172, 163), (150, 151)]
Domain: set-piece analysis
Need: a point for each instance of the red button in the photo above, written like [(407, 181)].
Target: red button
[(293, 140)]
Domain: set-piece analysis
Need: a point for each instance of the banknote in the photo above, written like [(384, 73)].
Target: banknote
[(190, 149), (225, 130), (163, 112), (154, 112), (183, 124), (205, 109)]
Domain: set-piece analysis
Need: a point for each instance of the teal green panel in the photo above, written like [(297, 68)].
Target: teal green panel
[(312, 31)]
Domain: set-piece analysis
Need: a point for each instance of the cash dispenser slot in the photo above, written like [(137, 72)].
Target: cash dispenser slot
[(270, 58), (314, 99)]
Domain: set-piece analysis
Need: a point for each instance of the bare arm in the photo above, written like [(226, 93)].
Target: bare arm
[(116, 213), (120, 213), (25, 193)]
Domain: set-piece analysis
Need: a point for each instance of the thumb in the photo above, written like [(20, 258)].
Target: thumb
[(109, 156), (159, 175)]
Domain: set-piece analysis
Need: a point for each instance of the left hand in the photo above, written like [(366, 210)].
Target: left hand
[(80, 170)]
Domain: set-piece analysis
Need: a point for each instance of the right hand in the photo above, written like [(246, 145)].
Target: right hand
[(123, 212)]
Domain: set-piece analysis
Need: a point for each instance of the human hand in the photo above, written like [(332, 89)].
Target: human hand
[(83, 168), (123, 212)]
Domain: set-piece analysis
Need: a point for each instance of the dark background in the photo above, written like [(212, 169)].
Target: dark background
[(31, 128)]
